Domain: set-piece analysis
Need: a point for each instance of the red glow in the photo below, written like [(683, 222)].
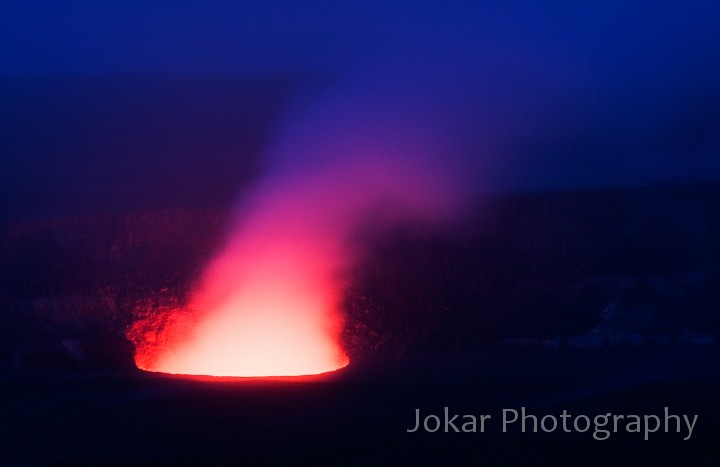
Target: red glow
[(275, 324), (268, 304), (271, 313)]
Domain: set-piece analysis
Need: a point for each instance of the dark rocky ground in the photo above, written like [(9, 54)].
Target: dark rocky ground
[(360, 415), (594, 302), (115, 192), (595, 269)]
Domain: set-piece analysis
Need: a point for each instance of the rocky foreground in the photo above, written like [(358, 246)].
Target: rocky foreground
[(587, 270)]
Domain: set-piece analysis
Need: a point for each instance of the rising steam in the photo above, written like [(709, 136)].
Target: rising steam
[(268, 304), (474, 102)]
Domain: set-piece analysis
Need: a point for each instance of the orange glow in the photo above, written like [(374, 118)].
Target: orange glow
[(270, 327), (268, 304), (270, 315)]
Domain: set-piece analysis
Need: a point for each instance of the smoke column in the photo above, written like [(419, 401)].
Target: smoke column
[(268, 304), (457, 104)]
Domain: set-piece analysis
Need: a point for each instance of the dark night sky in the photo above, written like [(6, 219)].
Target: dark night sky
[(180, 36), (252, 36), (550, 94)]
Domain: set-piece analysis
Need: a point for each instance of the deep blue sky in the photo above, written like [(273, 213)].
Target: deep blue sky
[(271, 35), (61, 36), (536, 93)]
